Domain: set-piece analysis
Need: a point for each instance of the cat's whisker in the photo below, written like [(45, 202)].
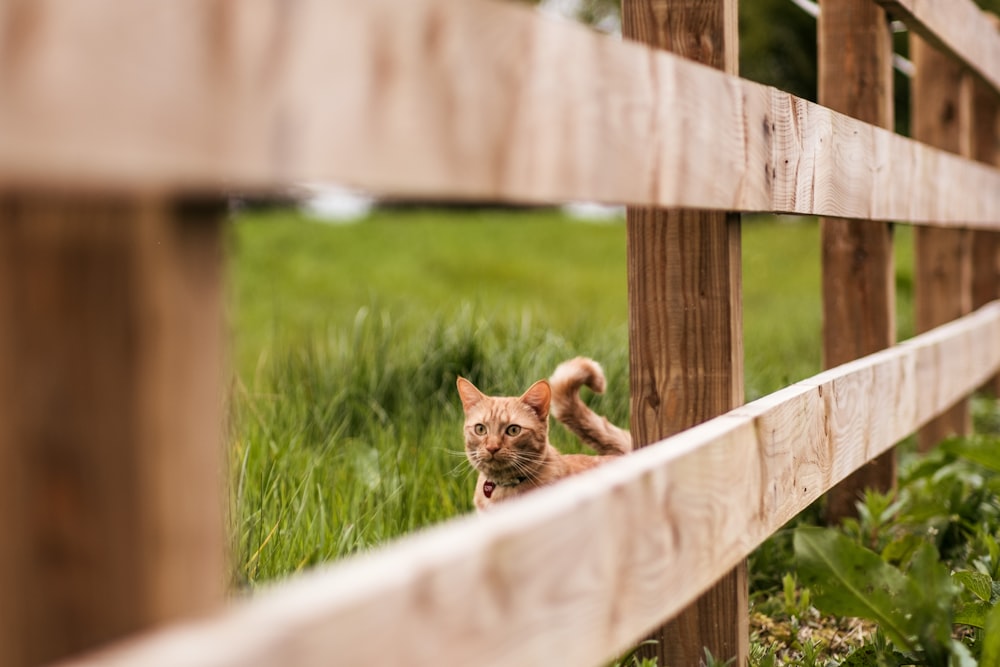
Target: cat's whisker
[(526, 463), (525, 468), (461, 469)]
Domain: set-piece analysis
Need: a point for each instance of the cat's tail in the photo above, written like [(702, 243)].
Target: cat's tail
[(568, 408)]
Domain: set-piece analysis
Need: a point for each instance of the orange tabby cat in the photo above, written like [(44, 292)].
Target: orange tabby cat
[(507, 437)]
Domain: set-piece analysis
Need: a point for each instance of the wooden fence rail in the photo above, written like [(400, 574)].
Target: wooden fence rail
[(121, 124), (956, 28), (494, 110)]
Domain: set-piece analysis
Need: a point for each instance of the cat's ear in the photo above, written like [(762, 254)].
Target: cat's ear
[(538, 397), (469, 394)]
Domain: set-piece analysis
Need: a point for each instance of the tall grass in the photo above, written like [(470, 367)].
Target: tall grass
[(356, 438), (346, 428)]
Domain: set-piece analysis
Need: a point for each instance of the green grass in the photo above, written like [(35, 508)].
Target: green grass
[(348, 338), (297, 279)]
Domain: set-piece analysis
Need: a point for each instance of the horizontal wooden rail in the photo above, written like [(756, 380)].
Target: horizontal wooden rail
[(958, 27), (435, 98), (580, 570)]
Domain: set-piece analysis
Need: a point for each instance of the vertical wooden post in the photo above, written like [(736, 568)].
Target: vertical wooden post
[(985, 147), (110, 418), (859, 296), (685, 321), (943, 257)]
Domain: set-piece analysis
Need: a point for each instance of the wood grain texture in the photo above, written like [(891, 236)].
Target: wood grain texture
[(435, 98), (985, 147), (940, 115), (686, 322), (705, 31), (110, 407), (957, 27), (858, 276), (686, 366), (580, 570), (684, 279)]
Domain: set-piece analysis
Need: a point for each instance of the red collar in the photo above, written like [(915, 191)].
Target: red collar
[(490, 486)]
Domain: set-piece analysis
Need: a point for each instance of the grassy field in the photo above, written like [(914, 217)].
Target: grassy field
[(348, 338)]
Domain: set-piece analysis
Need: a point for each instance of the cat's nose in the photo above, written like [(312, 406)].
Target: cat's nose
[(492, 447)]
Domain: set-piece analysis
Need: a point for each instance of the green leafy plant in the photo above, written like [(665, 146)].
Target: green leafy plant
[(711, 661), (762, 656), (797, 601), (916, 609), (850, 580), (877, 513), (633, 659), (878, 652)]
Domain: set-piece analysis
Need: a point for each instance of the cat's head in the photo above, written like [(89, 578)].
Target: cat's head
[(506, 436)]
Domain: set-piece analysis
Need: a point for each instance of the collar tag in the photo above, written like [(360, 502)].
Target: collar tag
[(488, 487)]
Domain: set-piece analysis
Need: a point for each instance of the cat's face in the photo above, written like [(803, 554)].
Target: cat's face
[(506, 436)]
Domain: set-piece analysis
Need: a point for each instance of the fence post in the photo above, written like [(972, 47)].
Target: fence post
[(942, 257), (685, 321), (985, 147), (859, 296), (110, 418)]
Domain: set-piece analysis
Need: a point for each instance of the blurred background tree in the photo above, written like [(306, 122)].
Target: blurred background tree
[(777, 42)]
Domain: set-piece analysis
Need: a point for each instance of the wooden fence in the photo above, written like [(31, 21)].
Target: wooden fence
[(121, 124)]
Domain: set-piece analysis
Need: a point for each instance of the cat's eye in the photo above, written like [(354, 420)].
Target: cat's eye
[(513, 429), (479, 429)]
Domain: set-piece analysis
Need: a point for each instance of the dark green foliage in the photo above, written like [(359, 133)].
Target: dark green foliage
[(849, 580), (778, 46), (923, 563)]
